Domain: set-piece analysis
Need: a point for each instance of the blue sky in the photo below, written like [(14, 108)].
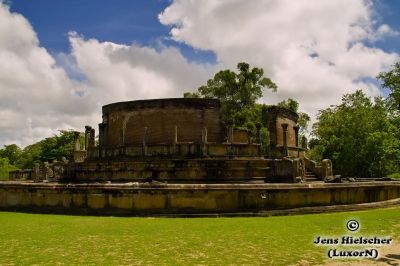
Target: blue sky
[(119, 21), (122, 21), (51, 78)]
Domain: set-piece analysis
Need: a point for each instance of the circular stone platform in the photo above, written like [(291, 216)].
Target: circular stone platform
[(196, 199)]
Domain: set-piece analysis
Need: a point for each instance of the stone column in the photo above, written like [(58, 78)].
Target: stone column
[(36, 172), (296, 135), (230, 134), (285, 146), (87, 133), (174, 148), (92, 133), (144, 142), (77, 144), (101, 134), (204, 135), (204, 141), (175, 140), (304, 142)]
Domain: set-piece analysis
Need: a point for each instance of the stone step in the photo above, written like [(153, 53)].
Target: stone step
[(311, 176), (311, 179)]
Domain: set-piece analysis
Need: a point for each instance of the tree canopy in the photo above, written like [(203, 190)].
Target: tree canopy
[(236, 91), (359, 136), (48, 149), (391, 80)]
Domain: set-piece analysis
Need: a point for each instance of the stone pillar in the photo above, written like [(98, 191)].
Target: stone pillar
[(304, 142), (204, 141), (296, 135), (204, 135), (144, 142), (91, 143), (47, 171), (87, 133), (285, 146), (101, 134), (77, 144), (36, 172), (175, 140), (230, 134)]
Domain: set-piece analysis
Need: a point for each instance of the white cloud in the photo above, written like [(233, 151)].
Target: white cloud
[(120, 72), (313, 50), (35, 94), (40, 95)]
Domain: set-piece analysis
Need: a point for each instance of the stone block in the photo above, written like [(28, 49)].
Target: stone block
[(121, 201), (51, 198), (96, 201), (66, 199), (13, 199), (38, 198), (78, 200), (149, 200)]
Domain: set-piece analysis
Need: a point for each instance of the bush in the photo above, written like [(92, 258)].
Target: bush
[(395, 176), (5, 168)]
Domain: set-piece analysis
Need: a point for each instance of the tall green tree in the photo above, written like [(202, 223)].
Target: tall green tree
[(236, 91), (391, 80), (12, 152), (48, 149), (359, 136)]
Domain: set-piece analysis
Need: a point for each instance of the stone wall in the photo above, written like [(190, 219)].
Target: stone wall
[(150, 199), (283, 133), (205, 170), (45, 171), (161, 121)]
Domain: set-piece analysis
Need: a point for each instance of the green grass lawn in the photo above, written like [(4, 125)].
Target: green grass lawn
[(27, 239)]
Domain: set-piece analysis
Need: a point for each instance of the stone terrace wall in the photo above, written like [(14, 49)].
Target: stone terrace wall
[(150, 199)]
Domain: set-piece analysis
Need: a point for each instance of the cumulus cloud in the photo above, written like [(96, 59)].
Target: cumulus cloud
[(41, 94), (314, 50), (120, 72), (37, 97)]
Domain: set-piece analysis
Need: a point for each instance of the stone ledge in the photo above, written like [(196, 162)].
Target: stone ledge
[(278, 186)]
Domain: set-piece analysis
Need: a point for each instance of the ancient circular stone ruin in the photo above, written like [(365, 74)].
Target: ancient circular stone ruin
[(177, 156), (184, 140)]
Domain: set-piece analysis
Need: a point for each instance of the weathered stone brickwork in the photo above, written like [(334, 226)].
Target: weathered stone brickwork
[(129, 123)]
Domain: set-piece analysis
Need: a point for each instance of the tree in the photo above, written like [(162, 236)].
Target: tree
[(49, 149), (12, 152), (358, 136), (391, 80), (5, 167), (236, 91)]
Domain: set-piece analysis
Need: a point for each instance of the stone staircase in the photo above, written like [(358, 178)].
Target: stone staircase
[(310, 176)]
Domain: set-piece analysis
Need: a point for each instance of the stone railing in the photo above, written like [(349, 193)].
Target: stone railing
[(287, 170), (44, 171), (321, 170), (80, 156), (21, 174), (177, 150)]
